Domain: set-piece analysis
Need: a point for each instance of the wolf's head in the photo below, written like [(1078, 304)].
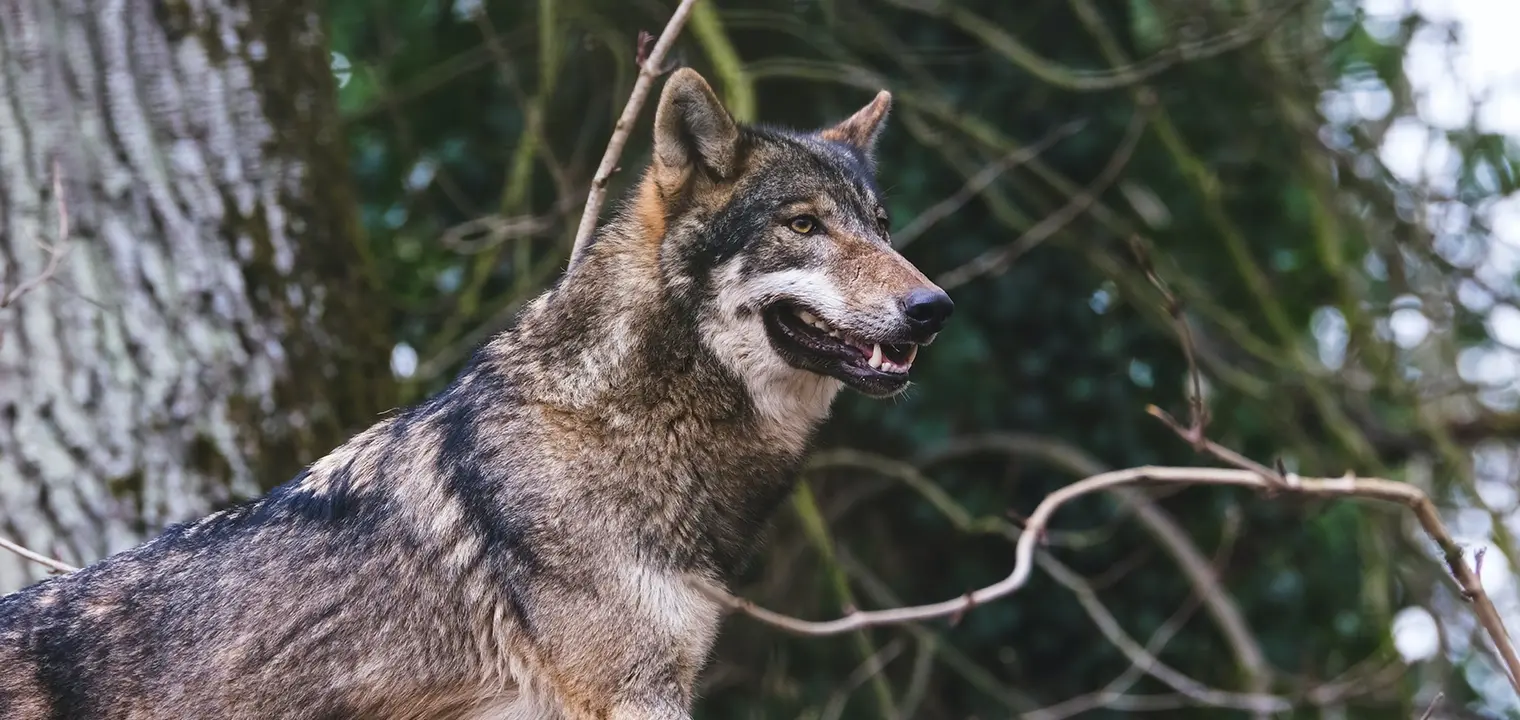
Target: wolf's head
[(786, 237), (773, 245)]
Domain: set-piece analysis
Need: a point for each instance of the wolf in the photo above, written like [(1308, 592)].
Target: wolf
[(550, 535)]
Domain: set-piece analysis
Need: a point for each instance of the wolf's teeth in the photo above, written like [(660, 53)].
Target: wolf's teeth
[(876, 356), (912, 353), (813, 320)]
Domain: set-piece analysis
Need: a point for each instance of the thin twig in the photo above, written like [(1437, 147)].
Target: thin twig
[(1120, 685), (1468, 579), (979, 181), (1196, 431), (997, 259), (1348, 486), (1197, 410), (36, 557), (56, 251), (918, 681), (1434, 703), (480, 234), (485, 233), (1147, 662), (968, 669), (869, 668), (649, 69)]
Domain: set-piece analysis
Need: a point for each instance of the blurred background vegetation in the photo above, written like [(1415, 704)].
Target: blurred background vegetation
[(1339, 226), (1040, 154), (1344, 313)]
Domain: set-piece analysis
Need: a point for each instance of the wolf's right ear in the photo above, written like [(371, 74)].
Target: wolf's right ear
[(691, 128)]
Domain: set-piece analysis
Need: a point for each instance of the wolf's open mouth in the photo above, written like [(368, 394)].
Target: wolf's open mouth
[(809, 342)]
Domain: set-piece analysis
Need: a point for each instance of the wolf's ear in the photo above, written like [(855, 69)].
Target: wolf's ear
[(864, 127), (691, 127)]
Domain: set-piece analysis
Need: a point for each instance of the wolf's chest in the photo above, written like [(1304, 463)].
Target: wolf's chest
[(680, 606)]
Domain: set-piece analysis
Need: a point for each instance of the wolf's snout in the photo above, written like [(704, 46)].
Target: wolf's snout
[(928, 309)]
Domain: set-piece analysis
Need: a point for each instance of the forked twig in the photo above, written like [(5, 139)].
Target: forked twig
[(56, 251), (1195, 433), (999, 258), (649, 68), (979, 181)]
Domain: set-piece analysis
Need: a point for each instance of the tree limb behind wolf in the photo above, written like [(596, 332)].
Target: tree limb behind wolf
[(543, 538)]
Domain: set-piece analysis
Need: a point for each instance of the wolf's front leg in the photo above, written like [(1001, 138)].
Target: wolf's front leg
[(631, 650), (649, 711), (630, 695), (655, 709)]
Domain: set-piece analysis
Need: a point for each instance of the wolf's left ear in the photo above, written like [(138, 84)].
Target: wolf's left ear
[(691, 127), (864, 127)]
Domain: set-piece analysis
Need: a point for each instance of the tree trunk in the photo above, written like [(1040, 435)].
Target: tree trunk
[(213, 325)]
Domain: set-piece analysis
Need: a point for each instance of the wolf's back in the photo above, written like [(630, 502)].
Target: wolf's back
[(22, 696), (262, 616), (65, 656)]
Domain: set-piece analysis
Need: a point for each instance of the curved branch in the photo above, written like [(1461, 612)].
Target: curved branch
[(1160, 524), (1348, 486)]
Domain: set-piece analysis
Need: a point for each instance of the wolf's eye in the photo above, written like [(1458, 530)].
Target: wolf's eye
[(803, 224)]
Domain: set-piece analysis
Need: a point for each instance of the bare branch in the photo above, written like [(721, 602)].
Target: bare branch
[(1146, 661), (56, 251), (997, 259), (1197, 411), (1120, 685), (871, 667), (1434, 703), (1196, 431), (487, 232), (1157, 522), (36, 557), (649, 68), (484, 233), (979, 181), (1348, 486)]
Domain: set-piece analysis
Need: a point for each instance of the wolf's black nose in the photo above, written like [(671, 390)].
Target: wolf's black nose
[(928, 309)]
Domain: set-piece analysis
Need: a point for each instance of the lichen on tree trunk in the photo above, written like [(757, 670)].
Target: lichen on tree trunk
[(212, 327)]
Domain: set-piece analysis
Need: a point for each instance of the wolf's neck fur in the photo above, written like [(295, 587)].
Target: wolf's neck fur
[(627, 356), (626, 334)]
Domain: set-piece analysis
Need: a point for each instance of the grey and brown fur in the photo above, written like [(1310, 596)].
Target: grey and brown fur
[(535, 540)]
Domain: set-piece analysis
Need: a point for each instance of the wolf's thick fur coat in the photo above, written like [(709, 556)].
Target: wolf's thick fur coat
[(538, 540)]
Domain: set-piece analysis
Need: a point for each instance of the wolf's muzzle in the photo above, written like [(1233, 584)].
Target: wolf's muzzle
[(927, 309)]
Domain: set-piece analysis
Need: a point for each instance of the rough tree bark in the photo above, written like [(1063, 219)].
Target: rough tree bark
[(212, 327)]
